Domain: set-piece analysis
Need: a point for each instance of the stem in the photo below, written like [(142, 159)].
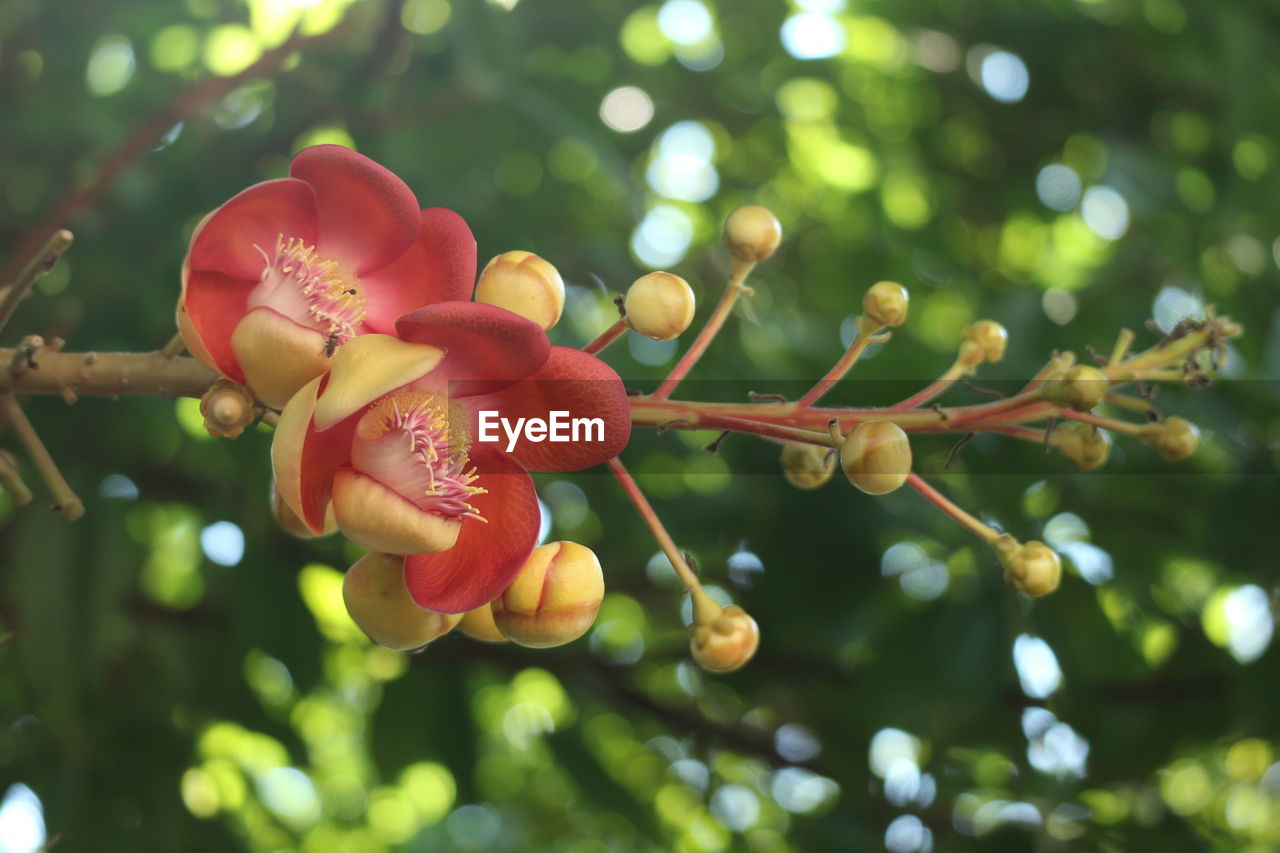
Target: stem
[(1035, 436), (41, 262), (109, 374), (984, 532), (11, 481), (1052, 365), (865, 338), (1123, 342), (48, 469), (174, 348), (1170, 352), (1133, 404), (704, 608), (764, 429), (1106, 423), (608, 336), (933, 389), (735, 288)]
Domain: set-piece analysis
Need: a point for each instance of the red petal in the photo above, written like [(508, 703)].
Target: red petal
[(216, 303), (226, 241), (312, 457), (487, 556), (574, 382), (488, 347), (440, 267), (368, 216)]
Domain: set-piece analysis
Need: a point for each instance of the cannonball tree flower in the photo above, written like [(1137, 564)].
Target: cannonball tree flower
[(390, 436), (288, 271)]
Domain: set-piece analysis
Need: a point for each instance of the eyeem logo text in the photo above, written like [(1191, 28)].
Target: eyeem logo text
[(557, 427)]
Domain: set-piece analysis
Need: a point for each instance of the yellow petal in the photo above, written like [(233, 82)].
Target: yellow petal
[(365, 368), (286, 446), (277, 355), (374, 517), (378, 601)]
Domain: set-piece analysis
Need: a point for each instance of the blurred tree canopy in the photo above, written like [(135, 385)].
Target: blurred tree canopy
[(176, 674)]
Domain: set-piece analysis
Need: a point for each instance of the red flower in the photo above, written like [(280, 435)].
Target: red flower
[(391, 436), (288, 271)]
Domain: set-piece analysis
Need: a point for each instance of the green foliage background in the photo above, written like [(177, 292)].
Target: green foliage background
[(156, 700)]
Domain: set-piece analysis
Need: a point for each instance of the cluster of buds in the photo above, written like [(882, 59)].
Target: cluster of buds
[(552, 601), (876, 456)]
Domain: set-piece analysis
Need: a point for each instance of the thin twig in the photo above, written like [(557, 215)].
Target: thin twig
[(608, 336), (715, 322), (39, 264), (985, 392), (11, 481), (955, 451), (174, 348), (66, 499), (985, 532)]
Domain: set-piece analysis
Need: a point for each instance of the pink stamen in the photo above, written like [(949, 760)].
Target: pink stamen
[(414, 445), (310, 289)]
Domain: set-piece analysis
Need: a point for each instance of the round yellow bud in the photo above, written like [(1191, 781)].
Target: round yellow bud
[(1033, 569), (752, 233), (727, 642), (886, 303), (524, 284), (659, 305), (1080, 387), (554, 599), (293, 525), (876, 457), (478, 624), (807, 466), (379, 602), (227, 408), (984, 340), (1085, 445), (1175, 438)]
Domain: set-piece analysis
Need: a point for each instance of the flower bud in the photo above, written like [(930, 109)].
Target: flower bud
[(1033, 569), (478, 624), (1080, 387), (876, 457), (554, 599), (1085, 445), (807, 466), (291, 524), (524, 284), (379, 602), (227, 408), (725, 643), (984, 340), (886, 303), (1175, 438), (752, 233), (659, 305)]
